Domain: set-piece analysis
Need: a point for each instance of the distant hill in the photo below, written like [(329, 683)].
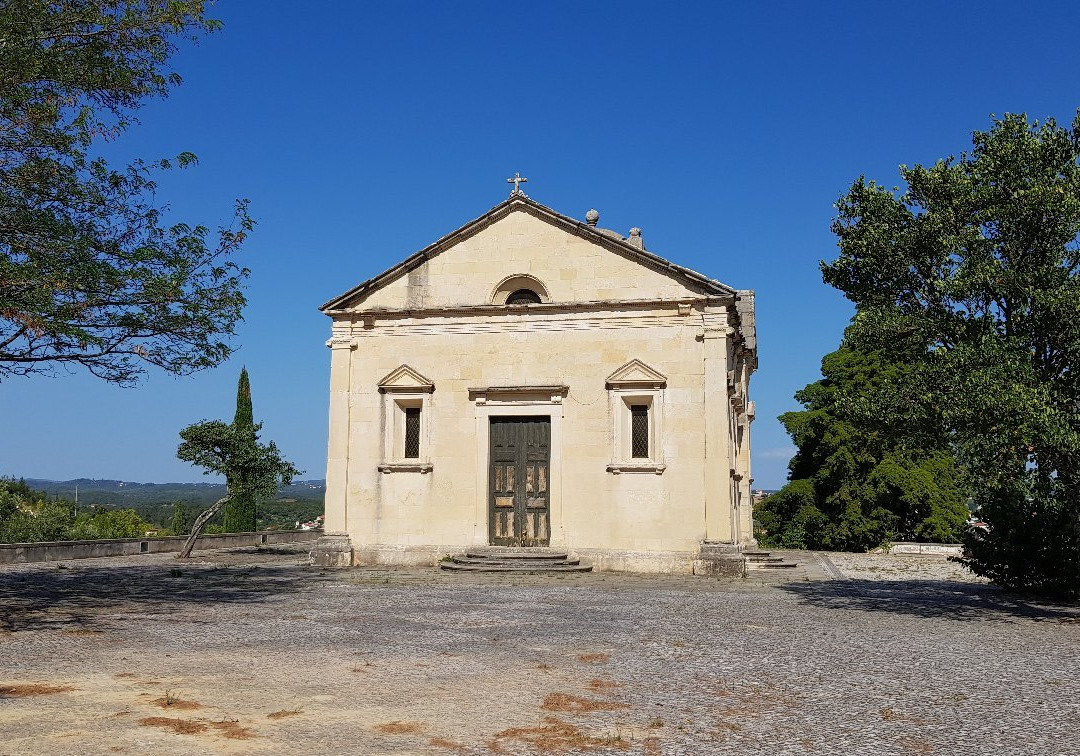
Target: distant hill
[(120, 493)]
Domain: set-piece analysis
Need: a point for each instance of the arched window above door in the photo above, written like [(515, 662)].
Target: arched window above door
[(520, 289), (523, 296)]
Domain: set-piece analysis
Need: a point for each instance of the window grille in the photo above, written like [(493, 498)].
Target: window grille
[(523, 296), (639, 431), (412, 433)]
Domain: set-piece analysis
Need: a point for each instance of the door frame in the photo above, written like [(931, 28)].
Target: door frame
[(520, 513), (525, 401)]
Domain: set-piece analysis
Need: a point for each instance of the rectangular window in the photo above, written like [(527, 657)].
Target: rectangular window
[(639, 431), (412, 432)]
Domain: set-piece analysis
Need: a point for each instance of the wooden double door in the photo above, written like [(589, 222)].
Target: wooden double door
[(520, 481)]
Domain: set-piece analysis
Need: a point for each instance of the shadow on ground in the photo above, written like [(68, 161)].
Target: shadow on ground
[(931, 598), (78, 598)]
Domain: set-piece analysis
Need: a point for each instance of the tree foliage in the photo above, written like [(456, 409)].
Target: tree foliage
[(853, 485), (973, 266), (28, 516), (89, 273), (248, 466), (179, 519), (241, 508)]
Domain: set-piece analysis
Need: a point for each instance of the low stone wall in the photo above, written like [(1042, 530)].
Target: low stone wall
[(941, 549), (56, 551)]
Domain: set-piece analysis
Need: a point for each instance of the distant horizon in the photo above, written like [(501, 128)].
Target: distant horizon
[(142, 482)]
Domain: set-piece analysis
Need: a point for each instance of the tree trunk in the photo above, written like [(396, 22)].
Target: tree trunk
[(200, 522)]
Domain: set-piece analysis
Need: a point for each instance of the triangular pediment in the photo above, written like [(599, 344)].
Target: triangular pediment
[(636, 374), (406, 379), (695, 283)]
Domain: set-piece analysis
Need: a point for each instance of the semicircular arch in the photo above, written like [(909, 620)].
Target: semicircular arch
[(516, 283)]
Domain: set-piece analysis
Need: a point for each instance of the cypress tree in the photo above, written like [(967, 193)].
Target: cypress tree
[(240, 510), (244, 416), (179, 520)]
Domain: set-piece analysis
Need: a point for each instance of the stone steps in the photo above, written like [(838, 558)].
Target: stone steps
[(516, 560), (494, 552), (516, 568), (469, 559), (764, 560)]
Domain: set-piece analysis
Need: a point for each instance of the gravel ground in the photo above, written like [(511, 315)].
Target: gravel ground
[(249, 651)]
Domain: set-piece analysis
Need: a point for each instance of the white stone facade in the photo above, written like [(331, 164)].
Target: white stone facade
[(426, 355)]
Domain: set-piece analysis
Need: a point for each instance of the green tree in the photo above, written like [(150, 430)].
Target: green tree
[(853, 484), (975, 263), (222, 449), (89, 273), (28, 516), (240, 511), (179, 519), (109, 523)]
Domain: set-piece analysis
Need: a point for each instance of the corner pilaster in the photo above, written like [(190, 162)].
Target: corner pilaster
[(337, 450), (718, 504)]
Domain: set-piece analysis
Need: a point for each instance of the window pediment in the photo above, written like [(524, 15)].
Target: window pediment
[(405, 379), (636, 374)]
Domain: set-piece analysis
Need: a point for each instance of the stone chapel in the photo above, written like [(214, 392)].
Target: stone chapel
[(535, 380)]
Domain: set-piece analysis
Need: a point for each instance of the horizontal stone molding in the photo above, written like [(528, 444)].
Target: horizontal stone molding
[(519, 325), (405, 467), (518, 394), (636, 467)]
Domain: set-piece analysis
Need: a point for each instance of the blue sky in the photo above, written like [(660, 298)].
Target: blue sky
[(363, 131)]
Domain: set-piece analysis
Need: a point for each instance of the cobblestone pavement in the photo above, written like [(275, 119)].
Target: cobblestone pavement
[(249, 651)]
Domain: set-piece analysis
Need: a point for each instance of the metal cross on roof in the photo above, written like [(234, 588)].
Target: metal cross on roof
[(517, 181)]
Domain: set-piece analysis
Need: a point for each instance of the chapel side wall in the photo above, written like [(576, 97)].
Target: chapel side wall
[(593, 508)]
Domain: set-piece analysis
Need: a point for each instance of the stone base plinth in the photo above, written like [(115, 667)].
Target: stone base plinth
[(720, 567), (332, 550), (720, 559)]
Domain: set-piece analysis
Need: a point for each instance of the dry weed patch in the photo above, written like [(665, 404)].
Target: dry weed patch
[(448, 745), (554, 736), (566, 702), (179, 726), (231, 729), (399, 728), (598, 657), (600, 686), (82, 632), (124, 675), (284, 713), (172, 702), (27, 691)]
